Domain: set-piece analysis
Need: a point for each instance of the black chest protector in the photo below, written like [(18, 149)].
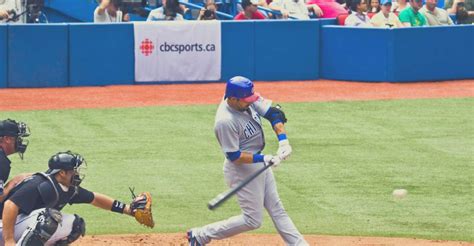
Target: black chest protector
[(48, 191)]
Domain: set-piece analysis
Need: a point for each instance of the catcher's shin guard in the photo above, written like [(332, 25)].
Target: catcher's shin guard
[(78, 230), (42, 230)]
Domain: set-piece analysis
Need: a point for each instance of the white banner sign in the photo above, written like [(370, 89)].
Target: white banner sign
[(177, 51)]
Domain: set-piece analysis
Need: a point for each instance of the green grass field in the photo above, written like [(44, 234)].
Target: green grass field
[(347, 159)]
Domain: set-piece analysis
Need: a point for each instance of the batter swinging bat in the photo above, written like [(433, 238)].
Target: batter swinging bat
[(224, 196)]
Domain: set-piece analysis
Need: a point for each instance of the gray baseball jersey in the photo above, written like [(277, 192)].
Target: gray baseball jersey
[(242, 131)]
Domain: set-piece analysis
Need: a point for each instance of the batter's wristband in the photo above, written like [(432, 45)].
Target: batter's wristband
[(282, 137), (257, 158), (118, 207)]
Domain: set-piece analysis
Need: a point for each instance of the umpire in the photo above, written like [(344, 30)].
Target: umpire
[(12, 134)]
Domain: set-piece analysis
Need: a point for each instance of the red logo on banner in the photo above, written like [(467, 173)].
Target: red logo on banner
[(147, 47)]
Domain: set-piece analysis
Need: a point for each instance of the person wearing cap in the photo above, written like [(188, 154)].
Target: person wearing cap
[(385, 18), (239, 131), (31, 213), (250, 11), (358, 17), (12, 134), (411, 16), (435, 16)]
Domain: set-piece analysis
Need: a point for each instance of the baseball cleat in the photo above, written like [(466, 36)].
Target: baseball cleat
[(192, 239)]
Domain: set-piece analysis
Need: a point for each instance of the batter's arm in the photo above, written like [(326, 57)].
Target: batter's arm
[(10, 212)]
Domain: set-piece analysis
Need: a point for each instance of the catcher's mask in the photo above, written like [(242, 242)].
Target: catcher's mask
[(68, 161), (16, 129)]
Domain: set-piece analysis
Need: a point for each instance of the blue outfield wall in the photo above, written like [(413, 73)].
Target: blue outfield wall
[(38, 55), (87, 54), (101, 54), (270, 50), (286, 50), (397, 55), (3, 56), (357, 54), (433, 53), (238, 47)]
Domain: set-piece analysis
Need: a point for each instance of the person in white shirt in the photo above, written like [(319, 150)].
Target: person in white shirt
[(385, 18), (435, 16), (358, 17), (169, 11), (108, 11), (295, 8), (7, 7)]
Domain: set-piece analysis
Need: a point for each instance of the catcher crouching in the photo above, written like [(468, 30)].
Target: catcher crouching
[(31, 212)]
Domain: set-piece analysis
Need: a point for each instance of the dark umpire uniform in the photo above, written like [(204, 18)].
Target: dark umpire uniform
[(12, 134)]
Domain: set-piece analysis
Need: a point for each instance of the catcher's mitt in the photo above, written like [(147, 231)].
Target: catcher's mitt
[(141, 209)]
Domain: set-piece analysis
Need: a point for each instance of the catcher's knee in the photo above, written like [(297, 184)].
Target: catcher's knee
[(78, 230), (45, 226)]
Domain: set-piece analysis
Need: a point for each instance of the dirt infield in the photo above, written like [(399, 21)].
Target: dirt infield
[(258, 240), (151, 95)]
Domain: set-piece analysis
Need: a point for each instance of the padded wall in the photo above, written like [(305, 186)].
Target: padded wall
[(358, 54), (238, 49), (101, 54), (38, 55), (433, 53), (3, 56), (287, 50)]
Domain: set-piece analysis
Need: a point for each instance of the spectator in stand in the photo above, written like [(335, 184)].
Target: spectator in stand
[(250, 11), (296, 8), (209, 11), (108, 11), (358, 17), (7, 7), (329, 8), (463, 9), (434, 15), (170, 11), (385, 18), (374, 6), (399, 5), (411, 15)]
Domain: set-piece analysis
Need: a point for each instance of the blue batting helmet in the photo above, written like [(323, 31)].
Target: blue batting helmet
[(242, 88)]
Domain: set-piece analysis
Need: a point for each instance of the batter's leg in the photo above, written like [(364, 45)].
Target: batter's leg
[(277, 212), (250, 199)]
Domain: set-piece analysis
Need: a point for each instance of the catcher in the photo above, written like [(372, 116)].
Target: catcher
[(31, 212)]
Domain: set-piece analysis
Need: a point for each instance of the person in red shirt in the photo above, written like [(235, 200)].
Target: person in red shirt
[(250, 11)]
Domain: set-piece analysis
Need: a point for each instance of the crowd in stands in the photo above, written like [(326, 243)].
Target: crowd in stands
[(361, 13)]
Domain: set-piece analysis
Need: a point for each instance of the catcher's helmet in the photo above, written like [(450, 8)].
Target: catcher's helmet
[(242, 88), (67, 161)]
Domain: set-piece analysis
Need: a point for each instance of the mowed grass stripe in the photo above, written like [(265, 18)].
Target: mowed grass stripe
[(347, 159)]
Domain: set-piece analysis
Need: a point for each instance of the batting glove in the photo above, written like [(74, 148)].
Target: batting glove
[(284, 149), (271, 160)]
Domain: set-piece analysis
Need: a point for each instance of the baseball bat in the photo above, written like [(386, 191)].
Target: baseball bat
[(224, 196)]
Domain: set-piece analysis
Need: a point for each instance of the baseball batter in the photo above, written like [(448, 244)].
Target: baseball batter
[(238, 129)]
